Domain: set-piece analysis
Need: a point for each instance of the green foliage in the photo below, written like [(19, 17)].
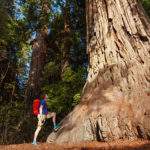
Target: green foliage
[(65, 94), (13, 66), (68, 75), (51, 70), (76, 99), (146, 5)]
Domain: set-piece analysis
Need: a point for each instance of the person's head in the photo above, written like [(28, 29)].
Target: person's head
[(44, 96)]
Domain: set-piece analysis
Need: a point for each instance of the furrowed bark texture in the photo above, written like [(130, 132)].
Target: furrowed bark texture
[(116, 98)]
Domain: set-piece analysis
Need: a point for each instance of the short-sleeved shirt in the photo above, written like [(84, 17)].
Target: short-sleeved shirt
[(44, 110)]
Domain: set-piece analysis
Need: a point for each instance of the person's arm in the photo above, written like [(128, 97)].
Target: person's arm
[(41, 109)]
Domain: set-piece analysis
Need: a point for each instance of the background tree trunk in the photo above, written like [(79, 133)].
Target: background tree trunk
[(116, 98), (36, 69), (67, 40), (38, 59)]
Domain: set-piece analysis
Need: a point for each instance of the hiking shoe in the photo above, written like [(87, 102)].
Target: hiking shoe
[(35, 144), (57, 128)]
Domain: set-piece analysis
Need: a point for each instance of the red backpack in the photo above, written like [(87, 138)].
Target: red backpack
[(36, 105)]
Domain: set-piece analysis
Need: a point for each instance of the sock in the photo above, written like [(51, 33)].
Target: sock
[(54, 126), (34, 141)]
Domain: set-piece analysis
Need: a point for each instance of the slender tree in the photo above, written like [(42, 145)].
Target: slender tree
[(115, 102), (67, 39)]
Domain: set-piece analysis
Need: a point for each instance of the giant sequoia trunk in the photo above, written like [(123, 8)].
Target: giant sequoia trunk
[(116, 98)]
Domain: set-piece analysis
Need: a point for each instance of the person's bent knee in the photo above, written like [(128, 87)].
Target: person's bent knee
[(54, 114)]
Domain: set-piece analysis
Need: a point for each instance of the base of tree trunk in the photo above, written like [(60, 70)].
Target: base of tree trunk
[(106, 115)]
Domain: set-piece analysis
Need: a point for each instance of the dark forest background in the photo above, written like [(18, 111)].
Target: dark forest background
[(19, 21)]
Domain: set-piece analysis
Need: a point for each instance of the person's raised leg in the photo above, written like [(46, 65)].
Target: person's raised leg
[(53, 116)]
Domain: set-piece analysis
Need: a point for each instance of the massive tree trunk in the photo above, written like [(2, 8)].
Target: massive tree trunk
[(38, 59), (116, 98)]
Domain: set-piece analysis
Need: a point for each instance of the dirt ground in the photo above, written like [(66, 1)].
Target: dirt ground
[(117, 145)]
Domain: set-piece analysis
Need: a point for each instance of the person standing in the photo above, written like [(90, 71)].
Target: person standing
[(42, 116)]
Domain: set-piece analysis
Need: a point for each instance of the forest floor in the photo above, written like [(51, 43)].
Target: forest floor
[(117, 145)]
